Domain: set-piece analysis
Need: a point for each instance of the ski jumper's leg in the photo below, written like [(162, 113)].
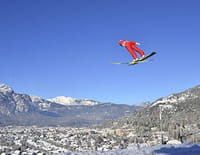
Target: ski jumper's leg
[(138, 50), (132, 52)]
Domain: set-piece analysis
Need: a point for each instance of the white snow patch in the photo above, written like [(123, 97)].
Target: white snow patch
[(166, 106), (35, 98), (173, 142)]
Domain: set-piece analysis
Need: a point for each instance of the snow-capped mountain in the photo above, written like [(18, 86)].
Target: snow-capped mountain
[(73, 101), (11, 103), (5, 89)]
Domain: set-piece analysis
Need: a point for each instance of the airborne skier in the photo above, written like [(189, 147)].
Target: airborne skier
[(132, 48)]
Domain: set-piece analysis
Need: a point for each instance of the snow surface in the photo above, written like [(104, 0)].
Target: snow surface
[(178, 149)]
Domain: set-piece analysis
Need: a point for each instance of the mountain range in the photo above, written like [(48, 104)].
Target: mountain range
[(23, 109)]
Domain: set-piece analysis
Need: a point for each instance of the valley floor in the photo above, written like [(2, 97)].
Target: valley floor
[(21, 140)]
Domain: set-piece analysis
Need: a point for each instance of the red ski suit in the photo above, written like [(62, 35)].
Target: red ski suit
[(131, 47)]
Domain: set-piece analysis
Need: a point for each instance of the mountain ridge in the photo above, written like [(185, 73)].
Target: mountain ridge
[(23, 109)]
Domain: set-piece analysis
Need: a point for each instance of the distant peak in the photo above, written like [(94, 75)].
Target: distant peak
[(72, 101), (5, 89), (63, 100)]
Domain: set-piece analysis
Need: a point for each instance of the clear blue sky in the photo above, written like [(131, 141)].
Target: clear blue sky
[(52, 48)]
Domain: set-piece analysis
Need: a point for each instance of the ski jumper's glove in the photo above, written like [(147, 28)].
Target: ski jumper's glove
[(138, 43)]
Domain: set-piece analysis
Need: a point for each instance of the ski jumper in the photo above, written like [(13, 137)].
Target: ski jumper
[(131, 47)]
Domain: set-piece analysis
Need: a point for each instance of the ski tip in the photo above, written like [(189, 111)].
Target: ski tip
[(116, 63)]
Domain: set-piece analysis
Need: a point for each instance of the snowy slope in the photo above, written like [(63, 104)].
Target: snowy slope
[(174, 99), (181, 149)]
